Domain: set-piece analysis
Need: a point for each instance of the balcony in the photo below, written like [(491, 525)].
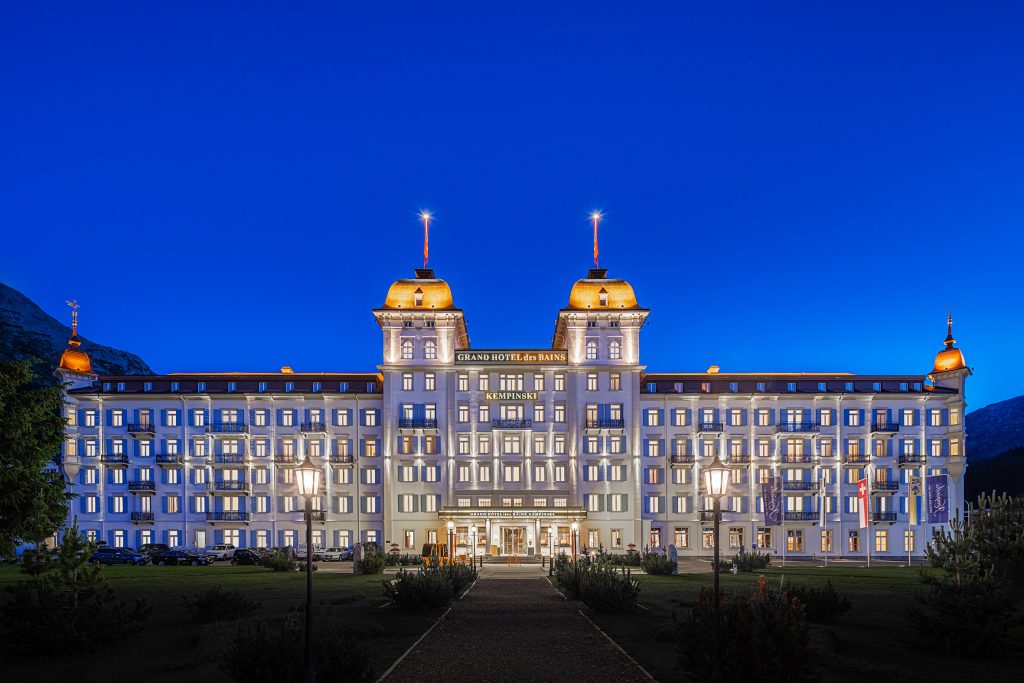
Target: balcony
[(739, 459), (417, 425), (228, 487), (710, 427), (604, 424), (798, 428), (800, 486), (170, 460), (885, 427), (707, 515), (142, 517), (911, 460), (282, 459), (141, 428), (337, 459), (682, 459), (801, 516), (856, 459), (227, 516), (142, 487), (115, 459), (885, 487), (313, 427), (314, 515), (521, 423), (229, 458), (227, 428), (797, 458), (883, 517)]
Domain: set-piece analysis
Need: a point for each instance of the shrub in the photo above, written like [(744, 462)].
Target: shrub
[(217, 604), (971, 618), (653, 563), (430, 587), (273, 651), (746, 562), (763, 637), (70, 604), (372, 563), (820, 604), (599, 585), (278, 561)]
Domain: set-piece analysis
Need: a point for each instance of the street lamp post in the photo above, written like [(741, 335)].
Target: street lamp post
[(451, 541), (308, 478), (716, 482), (575, 527), (551, 549), (472, 542)]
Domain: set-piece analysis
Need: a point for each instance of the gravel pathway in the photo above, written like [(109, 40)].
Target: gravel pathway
[(515, 630)]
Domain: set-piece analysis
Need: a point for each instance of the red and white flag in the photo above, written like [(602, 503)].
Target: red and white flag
[(862, 507)]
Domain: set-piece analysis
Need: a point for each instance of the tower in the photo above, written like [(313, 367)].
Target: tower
[(75, 367), (951, 371)]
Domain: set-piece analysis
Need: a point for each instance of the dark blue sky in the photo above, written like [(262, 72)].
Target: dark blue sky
[(805, 186)]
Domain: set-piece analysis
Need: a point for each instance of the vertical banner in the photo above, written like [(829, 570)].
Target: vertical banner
[(862, 498), (937, 499), (771, 495), (914, 502)]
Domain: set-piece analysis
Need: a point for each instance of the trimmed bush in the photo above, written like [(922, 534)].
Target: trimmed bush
[(372, 563), (430, 587), (655, 564), (763, 638), (273, 651), (278, 561), (820, 604), (217, 604), (747, 562)]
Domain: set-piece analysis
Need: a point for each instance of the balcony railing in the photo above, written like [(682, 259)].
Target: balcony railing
[(417, 423), (114, 458), (606, 423), (140, 428), (798, 428), (142, 516), (315, 515), (912, 459), (682, 459), (885, 486), (710, 426), (856, 459), (798, 458), (228, 458), (801, 516), (169, 459), (337, 459), (282, 459), (707, 515), (313, 427), (227, 428), (799, 486), (523, 423), (883, 516), (228, 486), (227, 516), (739, 458), (885, 427), (142, 486)]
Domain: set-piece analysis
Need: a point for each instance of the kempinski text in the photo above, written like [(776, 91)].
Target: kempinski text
[(514, 441)]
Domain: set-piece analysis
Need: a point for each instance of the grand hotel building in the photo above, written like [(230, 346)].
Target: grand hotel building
[(511, 441)]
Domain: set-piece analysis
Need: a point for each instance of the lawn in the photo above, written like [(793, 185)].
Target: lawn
[(172, 647), (869, 640)]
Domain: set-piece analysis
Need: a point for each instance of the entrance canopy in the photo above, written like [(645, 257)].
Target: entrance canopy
[(503, 513)]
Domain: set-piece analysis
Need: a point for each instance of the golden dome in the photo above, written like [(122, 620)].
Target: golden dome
[(596, 291), (74, 358), (422, 292), (950, 357)]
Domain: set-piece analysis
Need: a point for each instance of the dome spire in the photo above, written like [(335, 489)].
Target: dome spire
[(74, 358), (73, 303), (950, 357), (949, 330)]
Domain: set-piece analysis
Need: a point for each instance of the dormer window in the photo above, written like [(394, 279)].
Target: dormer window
[(602, 297), (175, 386), (262, 387), (417, 297), (232, 386)]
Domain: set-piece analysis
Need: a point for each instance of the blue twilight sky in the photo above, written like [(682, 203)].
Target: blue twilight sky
[(788, 186)]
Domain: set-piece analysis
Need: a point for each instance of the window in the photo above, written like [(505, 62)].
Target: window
[(853, 542), (681, 537), (559, 413), (908, 541), (617, 539), (407, 349), (410, 538), (538, 412), (429, 381), (559, 382), (735, 417), (881, 540), (614, 381), (430, 349), (826, 540), (463, 382), (407, 381), (484, 474), (764, 417), (795, 540), (512, 473), (615, 349), (653, 504), (653, 417), (591, 349)]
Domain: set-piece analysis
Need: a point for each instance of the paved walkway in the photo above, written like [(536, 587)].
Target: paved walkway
[(513, 626)]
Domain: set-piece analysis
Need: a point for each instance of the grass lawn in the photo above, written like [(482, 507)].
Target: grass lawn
[(868, 638), (172, 647)]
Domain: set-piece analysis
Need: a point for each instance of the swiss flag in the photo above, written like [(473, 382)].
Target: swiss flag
[(862, 495)]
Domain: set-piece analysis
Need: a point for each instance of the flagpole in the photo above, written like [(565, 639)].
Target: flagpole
[(425, 216), (868, 515), (595, 217)]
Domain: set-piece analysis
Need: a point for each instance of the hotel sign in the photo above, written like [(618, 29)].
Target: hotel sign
[(511, 396), (512, 357), (505, 513)]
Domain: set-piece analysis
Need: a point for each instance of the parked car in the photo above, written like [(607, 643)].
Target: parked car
[(151, 549), (337, 554), (109, 555), (221, 551), (246, 556), (176, 557)]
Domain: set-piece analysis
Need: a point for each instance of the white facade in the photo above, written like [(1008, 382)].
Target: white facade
[(511, 442)]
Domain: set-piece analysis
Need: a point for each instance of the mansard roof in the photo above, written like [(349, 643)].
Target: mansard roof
[(779, 383), (245, 383)]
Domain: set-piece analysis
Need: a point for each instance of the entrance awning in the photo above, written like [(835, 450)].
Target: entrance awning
[(457, 513)]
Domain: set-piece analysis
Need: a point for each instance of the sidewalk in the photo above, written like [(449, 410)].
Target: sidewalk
[(515, 629)]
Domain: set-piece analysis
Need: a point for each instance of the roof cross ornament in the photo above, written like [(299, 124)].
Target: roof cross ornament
[(73, 303)]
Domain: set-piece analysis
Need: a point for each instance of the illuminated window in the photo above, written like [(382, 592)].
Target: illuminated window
[(406, 349), (430, 349), (681, 537), (614, 382), (794, 540), (853, 542), (407, 381), (591, 349), (881, 541), (417, 297), (559, 382), (538, 382), (908, 541), (592, 381), (602, 297), (463, 382), (826, 540), (484, 383), (615, 349)]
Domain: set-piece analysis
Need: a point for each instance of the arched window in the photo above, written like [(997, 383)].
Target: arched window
[(615, 349), (591, 349), (430, 349), (407, 349)]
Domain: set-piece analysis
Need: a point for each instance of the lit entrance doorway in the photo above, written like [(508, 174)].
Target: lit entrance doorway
[(513, 540)]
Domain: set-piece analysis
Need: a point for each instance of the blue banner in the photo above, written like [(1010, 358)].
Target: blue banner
[(936, 489), (771, 496)]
